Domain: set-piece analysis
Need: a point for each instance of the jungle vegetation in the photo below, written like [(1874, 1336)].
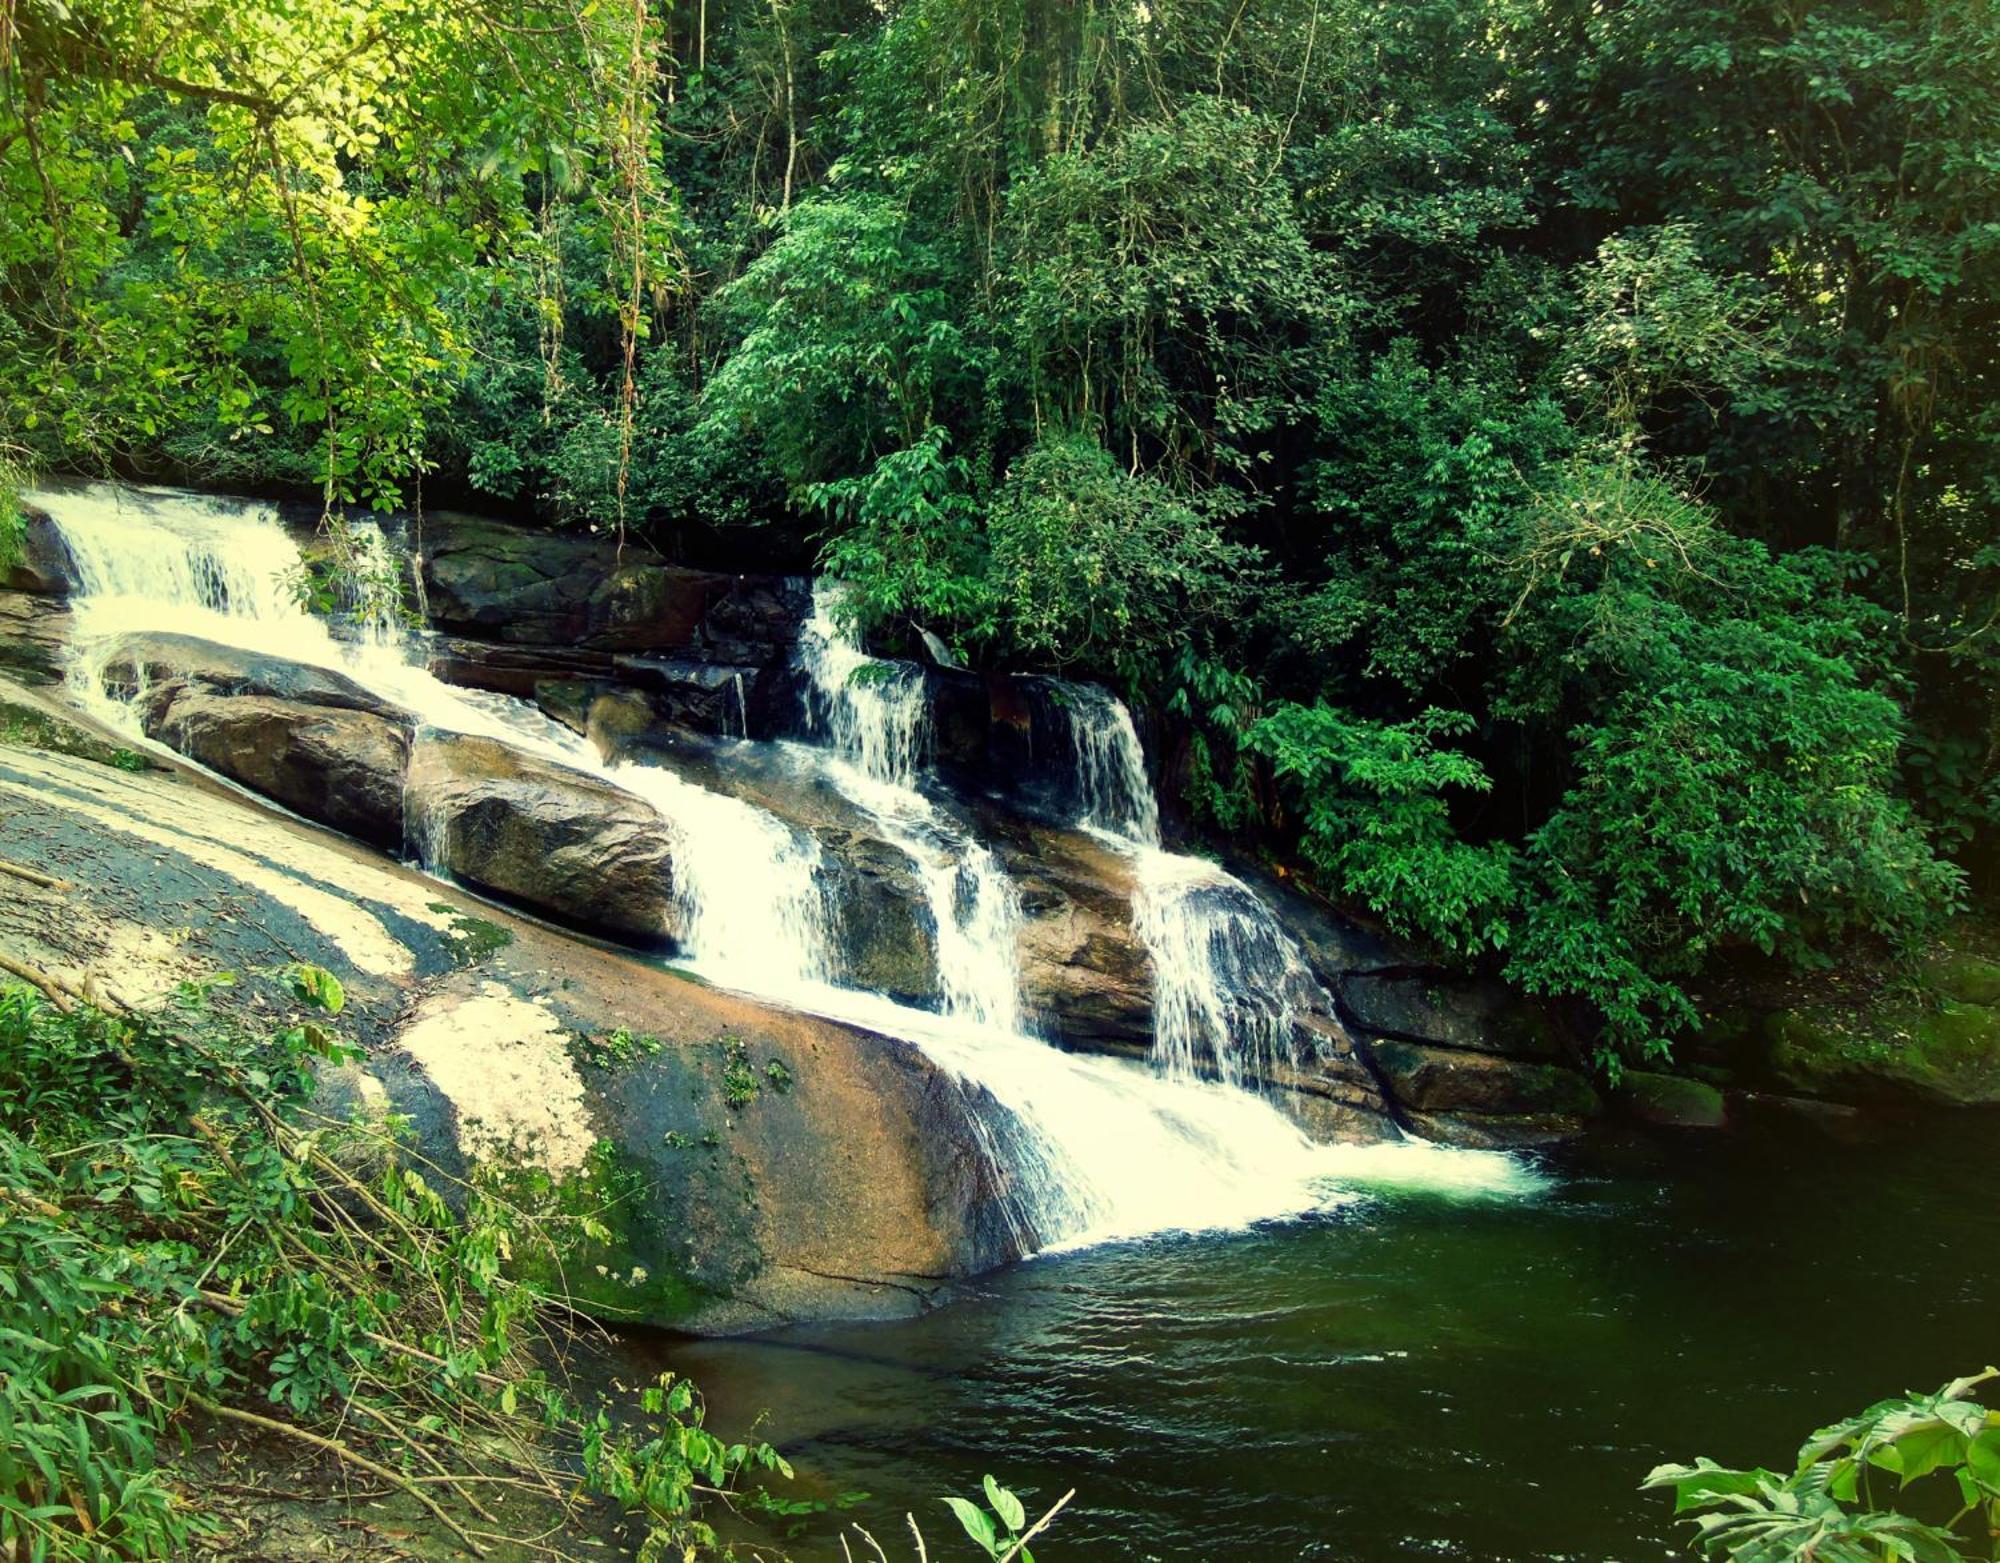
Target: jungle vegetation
[(1532, 464)]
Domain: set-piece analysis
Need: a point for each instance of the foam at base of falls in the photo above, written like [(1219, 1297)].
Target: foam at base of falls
[(1090, 1148)]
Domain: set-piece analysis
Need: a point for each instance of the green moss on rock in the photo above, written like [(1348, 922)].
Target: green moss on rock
[(1949, 1053), (1672, 1101)]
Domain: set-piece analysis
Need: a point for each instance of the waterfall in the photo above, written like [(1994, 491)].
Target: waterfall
[(1090, 1148), (745, 884), (1229, 983), (874, 716)]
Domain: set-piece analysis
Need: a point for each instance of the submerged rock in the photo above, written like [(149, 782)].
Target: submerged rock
[(549, 838)]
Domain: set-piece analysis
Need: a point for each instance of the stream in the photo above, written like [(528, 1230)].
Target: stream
[(1412, 1376)]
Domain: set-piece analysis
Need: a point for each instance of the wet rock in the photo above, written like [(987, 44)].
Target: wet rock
[(1440, 1080), (1947, 1052), (1086, 976), (850, 1182), (339, 766), (1472, 1014), (1672, 1101), (555, 840), (514, 670), (44, 565), (34, 630), (1332, 1093), (485, 579), (145, 661)]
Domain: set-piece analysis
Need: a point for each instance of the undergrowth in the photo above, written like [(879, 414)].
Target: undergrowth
[(186, 1242)]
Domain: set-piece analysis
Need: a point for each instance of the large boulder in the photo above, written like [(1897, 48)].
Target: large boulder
[(489, 580), (336, 765), (308, 737), (557, 841), (752, 1166), (1086, 976), (143, 661), (1482, 1099), (1946, 1052), (1474, 1014)]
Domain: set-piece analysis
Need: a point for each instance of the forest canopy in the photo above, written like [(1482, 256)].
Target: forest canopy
[(1533, 465)]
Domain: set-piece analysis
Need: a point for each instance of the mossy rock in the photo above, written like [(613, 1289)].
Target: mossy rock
[(1948, 1054), (30, 728), (1672, 1101), (1965, 977)]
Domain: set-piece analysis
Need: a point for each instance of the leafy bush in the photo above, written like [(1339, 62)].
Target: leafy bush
[(185, 1239), (1828, 1506)]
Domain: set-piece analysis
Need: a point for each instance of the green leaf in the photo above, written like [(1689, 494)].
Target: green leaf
[(976, 1522), (1006, 1505)]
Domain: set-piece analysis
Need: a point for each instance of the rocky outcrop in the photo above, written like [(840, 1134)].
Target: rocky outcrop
[(1482, 1099), (34, 630), (753, 1167), (146, 662), (539, 834), (524, 586), (1086, 977), (309, 738)]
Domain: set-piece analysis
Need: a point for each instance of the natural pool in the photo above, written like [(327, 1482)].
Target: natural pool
[(1412, 1376)]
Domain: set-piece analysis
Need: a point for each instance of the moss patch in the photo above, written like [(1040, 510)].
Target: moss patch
[(471, 939), (28, 728), (1947, 1052)]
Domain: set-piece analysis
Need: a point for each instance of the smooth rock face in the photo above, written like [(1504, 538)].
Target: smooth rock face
[(1476, 1015), (34, 629), (1947, 1053), (1434, 1080), (338, 766), (854, 1189), (145, 660), (549, 838), (1086, 977), (1672, 1101)]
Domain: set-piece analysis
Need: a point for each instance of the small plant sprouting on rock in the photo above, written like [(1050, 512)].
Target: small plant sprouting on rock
[(779, 1076), (622, 1045), (739, 1080), (674, 1140)]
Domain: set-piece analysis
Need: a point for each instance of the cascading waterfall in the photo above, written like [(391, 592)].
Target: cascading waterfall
[(1093, 1148), (1229, 983), (875, 717), (226, 571)]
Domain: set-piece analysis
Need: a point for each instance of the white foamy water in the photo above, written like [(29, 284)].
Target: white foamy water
[(1090, 1148)]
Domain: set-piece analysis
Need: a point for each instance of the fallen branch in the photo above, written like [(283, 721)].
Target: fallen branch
[(1038, 1527), (34, 876), (343, 1452), (57, 993)]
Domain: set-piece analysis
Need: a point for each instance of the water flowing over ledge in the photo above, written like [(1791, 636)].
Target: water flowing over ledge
[(1090, 1148)]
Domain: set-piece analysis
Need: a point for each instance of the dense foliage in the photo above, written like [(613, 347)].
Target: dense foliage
[(1837, 1503), (186, 1239), (1533, 462)]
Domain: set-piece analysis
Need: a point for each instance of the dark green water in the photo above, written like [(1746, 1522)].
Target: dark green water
[(1412, 1377)]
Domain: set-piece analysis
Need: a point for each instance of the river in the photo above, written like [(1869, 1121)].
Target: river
[(1412, 1376)]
